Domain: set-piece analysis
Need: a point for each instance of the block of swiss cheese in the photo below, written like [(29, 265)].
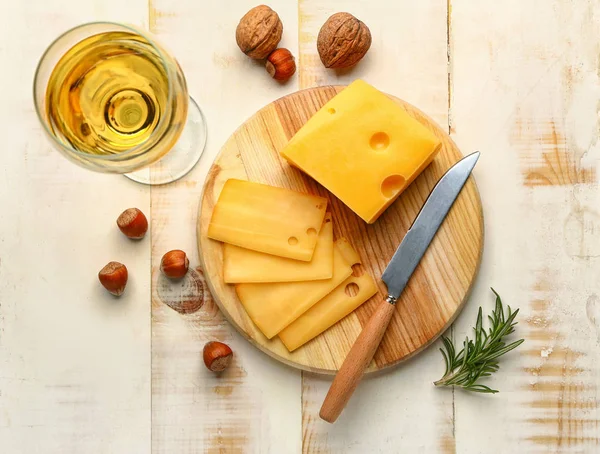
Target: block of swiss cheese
[(364, 148)]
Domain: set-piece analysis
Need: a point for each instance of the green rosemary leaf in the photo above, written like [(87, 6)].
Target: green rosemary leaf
[(483, 389), (506, 349), (448, 365)]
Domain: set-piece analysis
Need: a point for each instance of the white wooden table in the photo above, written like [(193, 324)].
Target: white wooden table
[(83, 373)]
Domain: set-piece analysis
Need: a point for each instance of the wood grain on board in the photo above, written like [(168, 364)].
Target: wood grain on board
[(434, 294)]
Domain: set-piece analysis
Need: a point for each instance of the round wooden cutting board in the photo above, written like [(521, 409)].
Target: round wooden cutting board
[(437, 289)]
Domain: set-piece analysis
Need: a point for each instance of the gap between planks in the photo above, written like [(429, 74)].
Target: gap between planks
[(452, 447)]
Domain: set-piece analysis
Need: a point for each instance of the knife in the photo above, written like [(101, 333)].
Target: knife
[(396, 276)]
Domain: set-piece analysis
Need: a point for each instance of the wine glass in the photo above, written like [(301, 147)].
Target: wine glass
[(111, 99)]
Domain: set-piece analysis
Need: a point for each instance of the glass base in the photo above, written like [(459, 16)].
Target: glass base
[(182, 157)]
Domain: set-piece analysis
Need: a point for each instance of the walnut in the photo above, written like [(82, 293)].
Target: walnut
[(259, 32), (343, 41)]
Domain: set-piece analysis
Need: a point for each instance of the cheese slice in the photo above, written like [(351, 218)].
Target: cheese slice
[(364, 148), (331, 309), (273, 306), (243, 265), (268, 219)]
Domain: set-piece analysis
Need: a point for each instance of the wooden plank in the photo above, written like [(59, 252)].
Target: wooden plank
[(74, 361), (255, 405), (408, 58), (525, 92)]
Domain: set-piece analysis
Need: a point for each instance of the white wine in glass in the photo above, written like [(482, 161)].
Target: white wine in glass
[(113, 100)]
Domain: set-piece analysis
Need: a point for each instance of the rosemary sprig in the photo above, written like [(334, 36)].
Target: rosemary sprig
[(479, 358)]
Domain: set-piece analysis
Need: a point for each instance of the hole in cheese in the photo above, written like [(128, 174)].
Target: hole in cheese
[(379, 141), (311, 231), (331, 110), (292, 241), (392, 185), (357, 270), (351, 289)]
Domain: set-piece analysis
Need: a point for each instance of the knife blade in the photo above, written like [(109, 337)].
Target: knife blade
[(426, 224), (396, 277)]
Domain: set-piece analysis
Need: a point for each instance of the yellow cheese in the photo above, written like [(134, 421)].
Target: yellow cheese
[(273, 306), (364, 148), (268, 219), (243, 265), (331, 309)]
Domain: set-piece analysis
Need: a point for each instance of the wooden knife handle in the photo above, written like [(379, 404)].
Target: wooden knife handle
[(359, 357)]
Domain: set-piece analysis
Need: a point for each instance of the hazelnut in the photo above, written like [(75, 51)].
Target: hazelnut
[(217, 356), (133, 223), (280, 64), (259, 32), (343, 40), (174, 264), (114, 277)]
